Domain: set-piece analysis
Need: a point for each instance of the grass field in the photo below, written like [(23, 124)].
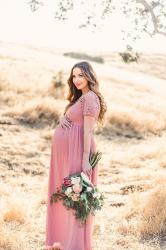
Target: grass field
[(132, 171)]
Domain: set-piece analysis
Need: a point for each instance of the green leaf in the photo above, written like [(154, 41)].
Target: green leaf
[(85, 179), (94, 158), (83, 197)]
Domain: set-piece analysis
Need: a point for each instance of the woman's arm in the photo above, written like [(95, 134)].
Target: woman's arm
[(89, 122), (91, 109)]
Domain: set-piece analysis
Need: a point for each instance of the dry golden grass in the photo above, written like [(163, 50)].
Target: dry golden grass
[(9, 239), (153, 214), (37, 112), (137, 124), (145, 216), (14, 215), (132, 169), (57, 87)]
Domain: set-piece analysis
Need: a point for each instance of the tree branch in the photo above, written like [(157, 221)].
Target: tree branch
[(154, 18)]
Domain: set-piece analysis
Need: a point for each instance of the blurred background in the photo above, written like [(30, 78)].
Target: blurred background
[(124, 41)]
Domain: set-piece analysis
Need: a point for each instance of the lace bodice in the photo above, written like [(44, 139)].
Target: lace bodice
[(90, 104)]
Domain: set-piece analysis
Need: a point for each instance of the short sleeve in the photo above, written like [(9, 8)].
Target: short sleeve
[(91, 105)]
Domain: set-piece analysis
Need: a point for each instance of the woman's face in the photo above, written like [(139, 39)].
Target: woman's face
[(79, 79)]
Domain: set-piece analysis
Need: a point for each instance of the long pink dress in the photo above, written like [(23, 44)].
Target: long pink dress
[(66, 158)]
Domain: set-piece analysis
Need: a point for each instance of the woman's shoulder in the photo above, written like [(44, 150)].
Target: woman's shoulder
[(90, 95), (91, 104)]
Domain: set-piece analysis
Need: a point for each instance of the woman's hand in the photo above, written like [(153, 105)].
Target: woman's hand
[(87, 169), (65, 122)]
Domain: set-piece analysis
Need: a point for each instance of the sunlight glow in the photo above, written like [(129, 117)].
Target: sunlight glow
[(19, 24)]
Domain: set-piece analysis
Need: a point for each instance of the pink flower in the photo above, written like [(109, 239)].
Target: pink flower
[(67, 182), (77, 188)]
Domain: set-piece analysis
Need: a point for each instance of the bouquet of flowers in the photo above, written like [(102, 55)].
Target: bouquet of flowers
[(78, 193)]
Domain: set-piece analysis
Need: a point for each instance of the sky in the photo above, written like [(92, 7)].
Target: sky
[(19, 24)]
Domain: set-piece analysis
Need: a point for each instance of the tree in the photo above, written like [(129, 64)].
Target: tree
[(140, 16)]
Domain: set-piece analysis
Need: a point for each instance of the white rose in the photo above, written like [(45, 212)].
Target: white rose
[(68, 191), (85, 178), (77, 188), (89, 189), (75, 180)]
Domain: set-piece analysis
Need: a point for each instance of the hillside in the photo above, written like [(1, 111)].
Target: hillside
[(132, 170)]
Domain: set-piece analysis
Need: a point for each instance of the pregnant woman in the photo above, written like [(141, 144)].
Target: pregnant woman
[(72, 142)]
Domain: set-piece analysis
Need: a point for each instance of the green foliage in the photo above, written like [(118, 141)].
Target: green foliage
[(84, 56), (58, 80), (78, 193), (57, 85), (94, 158), (129, 55)]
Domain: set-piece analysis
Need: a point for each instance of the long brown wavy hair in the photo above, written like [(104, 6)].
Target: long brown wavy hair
[(93, 84)]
